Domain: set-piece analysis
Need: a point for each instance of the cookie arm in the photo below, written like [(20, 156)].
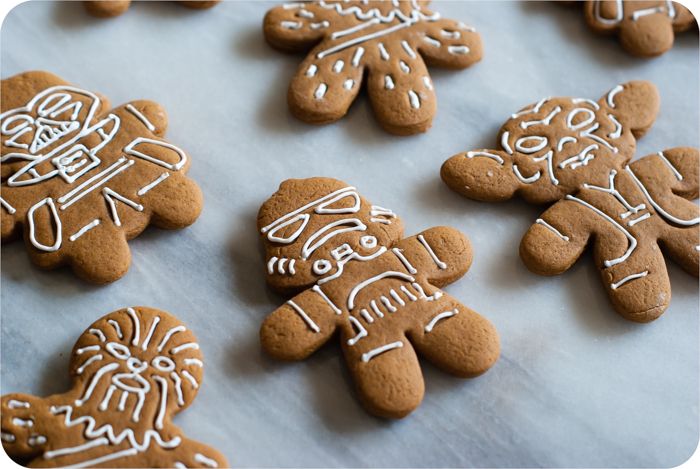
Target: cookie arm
[(440, 254), (295, 27), (24, 419), (299, 327), (144, 116), (485, 175), (556, 240), (450, 44), (190, 454), (454, 338)]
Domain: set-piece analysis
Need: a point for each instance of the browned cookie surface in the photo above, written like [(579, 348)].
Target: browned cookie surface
[(577, 152), (132, 371), (355, 274), (111, 8), (80, 179), (384, 45)]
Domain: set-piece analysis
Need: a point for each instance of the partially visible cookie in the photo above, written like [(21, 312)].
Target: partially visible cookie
[(355, 274), (576, 152), (132, 371), (385, 45), (79, 180), (111, 8), (646, 28)]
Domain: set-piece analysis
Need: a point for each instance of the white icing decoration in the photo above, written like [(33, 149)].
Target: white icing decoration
[(129, 150), (357, 56), (15, 404), (366, 357), (504, 142), (439, 317), (186, 346), (383, 52), (473, 154), (57, 233), (153, 184), (413, 99), (149, 125), (338, 66), (168, 335), (200, 458), (136, 324), (611, 95), (361, 331), (673, 169), (388, 82), (657, 207), (428, 84), (369, 281), (458, 50), (305, 317), (10, 209), (617, 285), (520, 144), (84, 229), (145, 342), (434, 256), (88, 362), (311, 71), (540, 221), (408, 49)]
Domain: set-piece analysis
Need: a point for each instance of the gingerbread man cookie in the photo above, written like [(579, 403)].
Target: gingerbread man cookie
[(385, 43), (132, 371), (645, 28), (577, 152), (354, 273), (80, 180), (111, 8)]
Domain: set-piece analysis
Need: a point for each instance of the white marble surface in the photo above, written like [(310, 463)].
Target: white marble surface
[(576, 385)]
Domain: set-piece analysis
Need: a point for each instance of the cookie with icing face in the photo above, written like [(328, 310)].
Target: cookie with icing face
[(132, 371), (645, 28), (109, 9), (385, 44), (79, 180), (576, 153), (353, 273)]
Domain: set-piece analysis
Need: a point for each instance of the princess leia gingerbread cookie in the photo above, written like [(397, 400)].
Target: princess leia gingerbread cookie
[(354, 273), (110, 8), (577, 152), (386, 44), (646, 28), (79, 180), (132, 371)]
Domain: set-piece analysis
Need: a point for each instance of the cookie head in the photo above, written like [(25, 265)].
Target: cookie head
[(52, 136), (548, 149), (137, 361), (312, 227)]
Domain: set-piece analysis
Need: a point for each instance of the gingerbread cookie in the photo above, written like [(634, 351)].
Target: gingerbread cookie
[(79, 180), (354, 273), (132, 371), (386, 43), (111, 8), (645, 28), (577, 152)]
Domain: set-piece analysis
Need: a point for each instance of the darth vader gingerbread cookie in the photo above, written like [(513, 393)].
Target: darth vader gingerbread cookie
[(132, 371), (79, 180), (353, 273), (384, 44), (576, 154)]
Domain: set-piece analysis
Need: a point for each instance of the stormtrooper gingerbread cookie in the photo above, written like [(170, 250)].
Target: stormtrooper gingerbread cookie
[(385, 44), (577, 152), (132, 371), (110, 8), (354, 273), (646, 28), (79, 180)]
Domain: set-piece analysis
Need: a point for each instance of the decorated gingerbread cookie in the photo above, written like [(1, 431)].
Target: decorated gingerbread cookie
[(79, 180), (645, 28), (354, 273), (132, 371), (386, 44), (577, 152), (110, 8)]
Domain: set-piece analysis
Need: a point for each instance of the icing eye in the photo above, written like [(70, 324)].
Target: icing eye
[(163, 364), (579, 117), (346, 202), (368, 242), (136, 365), (119, 351), (289, 231), (531, 144), (14, 124), (321, 266)]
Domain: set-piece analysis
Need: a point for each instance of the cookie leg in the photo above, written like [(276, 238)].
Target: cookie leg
[(22, 418), (387, 375), (401, 91), (647, 36), (109, 9), (683, 246), (639, 287), (324, 88), (456, 339)]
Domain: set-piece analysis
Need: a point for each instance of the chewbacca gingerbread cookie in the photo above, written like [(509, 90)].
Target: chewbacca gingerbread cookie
[(111, 8), (577, 152), (79, 180), (132, 371), (386, 44), (354, 273), (646, 28)]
